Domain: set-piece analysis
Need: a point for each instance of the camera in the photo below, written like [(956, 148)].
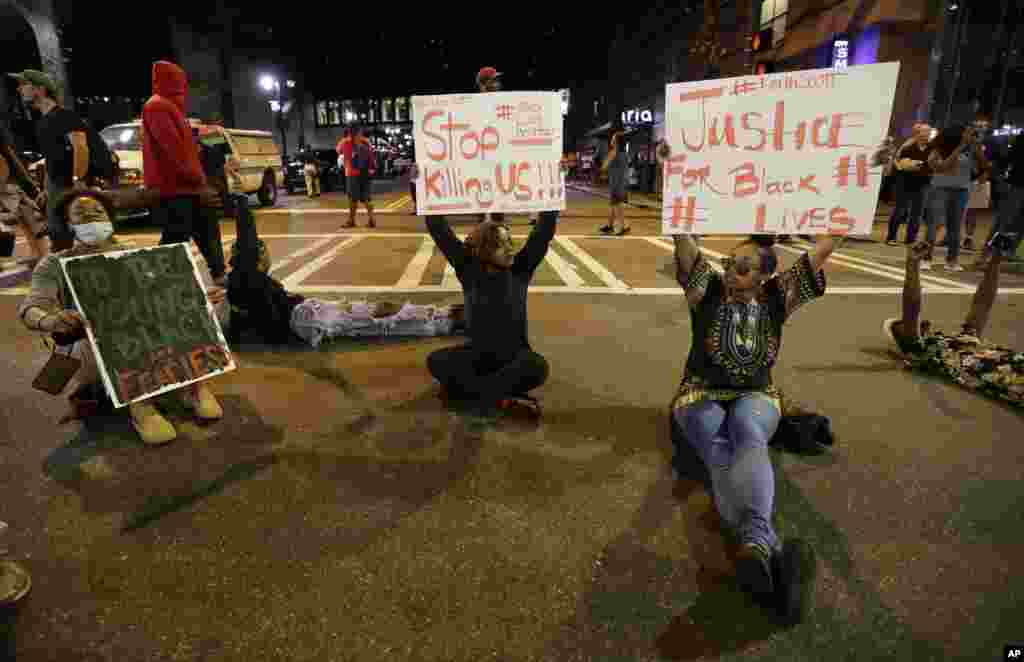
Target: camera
[(1003, 242)]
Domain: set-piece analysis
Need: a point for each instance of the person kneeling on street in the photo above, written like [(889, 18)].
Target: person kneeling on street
[(497, 368), (255, 300), (727, 409), (50, 308)]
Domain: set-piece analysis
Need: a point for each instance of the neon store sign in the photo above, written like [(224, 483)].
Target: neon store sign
[(840, 54), (637, 115)]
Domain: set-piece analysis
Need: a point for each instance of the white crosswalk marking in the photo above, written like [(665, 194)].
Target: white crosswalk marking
[(449, 280), (850, 262), (301, 253), (564, 270), (418, 265), (590, 263), (316, 265), (671, 249)]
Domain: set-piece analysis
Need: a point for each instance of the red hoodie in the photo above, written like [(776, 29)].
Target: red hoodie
[(170, 156)]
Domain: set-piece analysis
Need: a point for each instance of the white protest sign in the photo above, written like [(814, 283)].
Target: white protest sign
[(490, 152), (777, 154), (150, 323)]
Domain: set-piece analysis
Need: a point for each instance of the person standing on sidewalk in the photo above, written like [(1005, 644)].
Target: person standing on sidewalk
[(359, 171), (617, 166), (311, 172), (981, 183), (64, 144), (171, 164), (912, 180), (954, 153), (1009, 217), (18, 193)]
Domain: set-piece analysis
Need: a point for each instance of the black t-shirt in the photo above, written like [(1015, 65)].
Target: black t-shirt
[(1015, 164), (7, 146), (914, 181), (495, 301), (53, 129), (735, 345)]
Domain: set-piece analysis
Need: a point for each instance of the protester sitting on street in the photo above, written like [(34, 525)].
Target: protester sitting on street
[(255, 300), (911, 181), (498, 366), (617, 166), (359, 161), (953, 154), (966, 358), (18, 193), (50, 308), (727, 408)]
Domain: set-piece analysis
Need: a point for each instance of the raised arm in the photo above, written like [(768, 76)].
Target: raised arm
[(453, 249), (823, 249), (532, 254), (693, 271)]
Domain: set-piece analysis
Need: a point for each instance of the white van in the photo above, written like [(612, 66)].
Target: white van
[(253, 154)]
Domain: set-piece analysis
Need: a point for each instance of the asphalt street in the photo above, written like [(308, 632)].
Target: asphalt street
[(339, 512)]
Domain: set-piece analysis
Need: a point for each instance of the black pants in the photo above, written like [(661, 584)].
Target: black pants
[(465, 375), (183, 219)]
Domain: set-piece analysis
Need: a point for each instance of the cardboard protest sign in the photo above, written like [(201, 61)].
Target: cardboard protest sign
[(493, 152), (151, 325), (777, 154)]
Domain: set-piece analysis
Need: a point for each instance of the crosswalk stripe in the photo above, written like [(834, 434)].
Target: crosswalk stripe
[(590, 263), (564, 270), (639, 291), (450, 280), (301, 253), (319, 263), (843, 258), (417, 265), (671, 249)]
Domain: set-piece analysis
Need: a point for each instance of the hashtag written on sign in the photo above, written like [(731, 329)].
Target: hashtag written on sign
[(505, 112)]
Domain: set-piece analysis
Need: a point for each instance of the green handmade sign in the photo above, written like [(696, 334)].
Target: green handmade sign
[(151, 326)]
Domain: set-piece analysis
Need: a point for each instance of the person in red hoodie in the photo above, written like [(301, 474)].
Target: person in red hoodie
[(359, 159), (171, 162)]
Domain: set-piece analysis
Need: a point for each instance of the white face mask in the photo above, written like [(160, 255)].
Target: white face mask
[(93, 233)]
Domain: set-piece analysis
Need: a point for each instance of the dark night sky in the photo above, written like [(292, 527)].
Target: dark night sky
[(357, 52)]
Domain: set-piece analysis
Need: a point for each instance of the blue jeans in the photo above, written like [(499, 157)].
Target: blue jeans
[(911, 205), (732, 439), (948, 205)]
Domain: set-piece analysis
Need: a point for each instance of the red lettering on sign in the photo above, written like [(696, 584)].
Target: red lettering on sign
[(807, 184), (839, 216), (747, 183), (759, 223), (524, 192), (729, 132), (501, 181), (486, 146), (430, 181), (434, 156), (780, 125), (839, 122), (762, 133), (684, 212), (816, 131)]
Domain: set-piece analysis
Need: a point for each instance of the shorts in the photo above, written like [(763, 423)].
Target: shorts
[(619, 197), (359, 188)]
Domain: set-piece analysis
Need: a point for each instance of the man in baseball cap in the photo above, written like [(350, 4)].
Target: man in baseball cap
[(487, 80), (37, 79)]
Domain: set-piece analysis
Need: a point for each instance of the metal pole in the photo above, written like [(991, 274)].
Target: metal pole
[(957, 46), (1008, 62)]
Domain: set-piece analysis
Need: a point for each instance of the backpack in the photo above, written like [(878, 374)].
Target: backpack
[(361, 157), (101, 159)]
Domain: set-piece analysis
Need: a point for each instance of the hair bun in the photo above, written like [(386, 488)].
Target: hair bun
[(763, 240)]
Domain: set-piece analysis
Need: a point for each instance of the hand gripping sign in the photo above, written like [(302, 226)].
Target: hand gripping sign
[(150, 324), (494, 152), (777, 154)]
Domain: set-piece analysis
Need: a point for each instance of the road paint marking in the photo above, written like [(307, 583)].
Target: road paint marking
[(565, 270), (638, 291), (417, 265), (450, 280), (590, 263), (400, 203), (301, 253), (672, 249), (844, 258), (316, 265)]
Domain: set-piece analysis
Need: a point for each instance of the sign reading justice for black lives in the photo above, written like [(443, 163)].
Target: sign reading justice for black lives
[(150, 323)]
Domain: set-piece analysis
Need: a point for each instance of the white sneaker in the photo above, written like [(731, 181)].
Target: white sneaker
[(954, 267), (926, 265)]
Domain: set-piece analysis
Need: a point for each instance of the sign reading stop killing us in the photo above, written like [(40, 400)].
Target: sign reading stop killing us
[(777, 154), (150, 324), (490, 152)]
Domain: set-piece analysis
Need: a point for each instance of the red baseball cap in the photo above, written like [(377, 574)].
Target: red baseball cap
[(487, 73)]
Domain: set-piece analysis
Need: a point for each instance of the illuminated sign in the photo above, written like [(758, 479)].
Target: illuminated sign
[(565, 102), (840, 54), (637, 115)]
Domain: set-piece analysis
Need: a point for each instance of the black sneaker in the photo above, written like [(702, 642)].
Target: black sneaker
[(606, 229), (754, 571), (795, 569)]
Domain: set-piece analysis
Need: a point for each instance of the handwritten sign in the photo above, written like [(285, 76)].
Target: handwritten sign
[(493, 152), (151, 326), (777, 154)]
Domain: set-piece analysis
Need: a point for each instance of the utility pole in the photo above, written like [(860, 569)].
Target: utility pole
[(1009, 62)]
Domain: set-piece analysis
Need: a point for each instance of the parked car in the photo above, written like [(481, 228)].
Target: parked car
[(253, 154), (331, 177)]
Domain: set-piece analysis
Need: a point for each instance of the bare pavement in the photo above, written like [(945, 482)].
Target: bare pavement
[(338, 512)]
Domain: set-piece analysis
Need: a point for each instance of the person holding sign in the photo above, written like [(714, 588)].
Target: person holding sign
[(498, 366), (727, 409), (49, 307), (965, 359)]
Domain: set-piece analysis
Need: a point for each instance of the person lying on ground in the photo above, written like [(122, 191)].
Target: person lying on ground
[(727, 408), (255, 300), (498, 361), (965, 359), (50, 308)]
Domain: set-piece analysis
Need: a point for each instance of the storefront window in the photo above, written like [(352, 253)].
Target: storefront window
[(348, 110), (773, 15), (388, 112), (402, 109), (373, 111), (327, 113)]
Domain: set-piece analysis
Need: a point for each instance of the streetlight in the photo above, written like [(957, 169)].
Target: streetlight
[(278, 106)]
